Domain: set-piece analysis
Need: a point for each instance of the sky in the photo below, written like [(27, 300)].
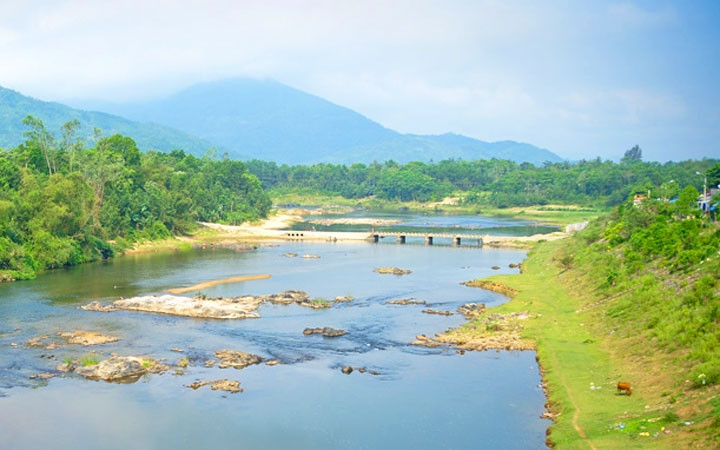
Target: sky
[(583, 79)]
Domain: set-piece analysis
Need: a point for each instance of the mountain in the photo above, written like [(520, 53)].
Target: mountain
[(268, 120), (15, 106)]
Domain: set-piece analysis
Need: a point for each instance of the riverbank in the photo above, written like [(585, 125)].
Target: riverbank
[(582, 361), (560, 215)]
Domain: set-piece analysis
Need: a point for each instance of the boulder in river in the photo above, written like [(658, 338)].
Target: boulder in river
[(347, 370), (85, 338), (286, 297), (118, 369), (437, 312), (97, 306), (237, 359), (198, 306), (223, 385), (392, 270), (326, 331), (407, 301)]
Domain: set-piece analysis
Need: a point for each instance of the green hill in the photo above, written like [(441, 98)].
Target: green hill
[(15, 106)]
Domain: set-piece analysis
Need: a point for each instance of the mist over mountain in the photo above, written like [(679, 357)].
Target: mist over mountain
[(268, 120)]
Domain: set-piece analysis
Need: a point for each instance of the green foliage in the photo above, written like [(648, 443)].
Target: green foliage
[(661, 260), (89, 360), (493, 182), (62, 204)]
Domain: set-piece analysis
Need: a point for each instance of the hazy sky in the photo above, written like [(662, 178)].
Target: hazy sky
[(581, 78)]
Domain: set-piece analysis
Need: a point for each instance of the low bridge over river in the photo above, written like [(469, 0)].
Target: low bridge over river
[(401, 237)]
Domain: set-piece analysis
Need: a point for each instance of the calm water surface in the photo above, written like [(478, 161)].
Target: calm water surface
[(423, 399)]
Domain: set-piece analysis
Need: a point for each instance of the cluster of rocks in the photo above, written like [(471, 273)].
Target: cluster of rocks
[(392, 270), (471, 310), (200, 306), (76, 337), (424, 341), (347, 370), (491, 286), (326, 331), (407, 301), (437, 312), (237, 359), (223, 385)]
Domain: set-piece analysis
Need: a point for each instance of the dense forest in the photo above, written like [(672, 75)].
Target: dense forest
[(63, 202), (493, 182)]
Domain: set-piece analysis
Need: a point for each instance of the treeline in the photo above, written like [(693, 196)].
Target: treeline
[(498, 183), (656, 264), (63, 202)]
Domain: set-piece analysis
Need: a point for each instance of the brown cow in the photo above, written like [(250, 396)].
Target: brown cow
[(624, 386)]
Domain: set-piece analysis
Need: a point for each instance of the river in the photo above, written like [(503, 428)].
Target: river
[(423, 398)]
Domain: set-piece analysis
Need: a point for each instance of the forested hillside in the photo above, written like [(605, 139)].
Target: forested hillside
[(495, 182), (654, 265), (15, 106), (63, 202)]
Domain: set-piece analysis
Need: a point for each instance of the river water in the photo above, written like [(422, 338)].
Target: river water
[(423, 398)]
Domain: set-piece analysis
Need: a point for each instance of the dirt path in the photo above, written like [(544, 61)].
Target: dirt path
[(576, 414)]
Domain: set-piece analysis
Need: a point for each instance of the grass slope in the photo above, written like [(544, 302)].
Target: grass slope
[(584, 355)]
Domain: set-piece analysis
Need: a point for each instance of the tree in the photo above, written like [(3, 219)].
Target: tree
[(38, 136), (713, 176), (632, 155)]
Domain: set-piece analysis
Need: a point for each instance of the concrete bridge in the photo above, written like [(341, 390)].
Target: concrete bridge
[(401, 236)]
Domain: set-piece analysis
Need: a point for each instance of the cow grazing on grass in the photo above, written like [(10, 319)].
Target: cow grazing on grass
[(624, 386)]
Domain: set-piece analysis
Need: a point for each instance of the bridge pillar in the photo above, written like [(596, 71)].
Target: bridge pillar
[(456, 240), (401, 239), (428, 239)]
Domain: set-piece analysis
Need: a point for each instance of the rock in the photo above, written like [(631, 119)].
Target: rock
[(37, 341), (65, 367), (175, 349), (374, 372), (120, 369), (317, 303), (469, 310), (407, 301), (290, 255), (347, 370), (287, 297), (273, 362), (210, 363), (308, 256), (198, 306), (347, 298), (326, 331), (438, 312), (86, 338), (392, 270), (514, 266), (237, 359), (222, 385), (424, 341), (97, 306), (495, 267), (362, 370), (43, 376)]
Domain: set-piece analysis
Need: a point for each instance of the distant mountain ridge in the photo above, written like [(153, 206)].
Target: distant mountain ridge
[(263, 119), (14, 107)]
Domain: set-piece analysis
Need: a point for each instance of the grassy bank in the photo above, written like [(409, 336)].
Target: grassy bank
[(583, 356)]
